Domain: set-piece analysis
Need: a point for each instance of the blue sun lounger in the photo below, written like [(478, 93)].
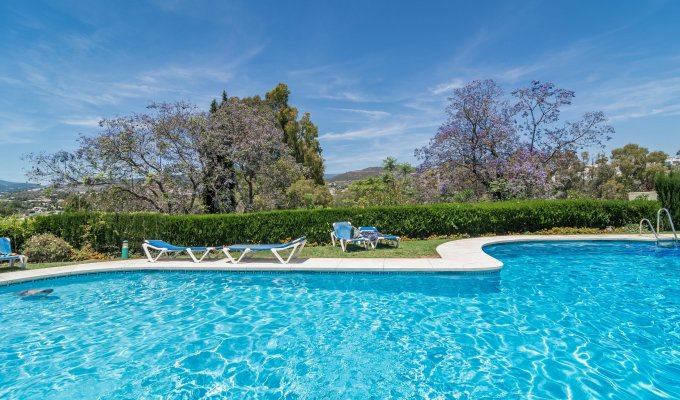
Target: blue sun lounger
[(6, 253), (172, 250), (376, 236), (343, 232), (296, 245)]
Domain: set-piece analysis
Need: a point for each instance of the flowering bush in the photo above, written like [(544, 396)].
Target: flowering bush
[(47, 247)]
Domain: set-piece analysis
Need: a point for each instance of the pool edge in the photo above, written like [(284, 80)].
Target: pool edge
[(458, 256)]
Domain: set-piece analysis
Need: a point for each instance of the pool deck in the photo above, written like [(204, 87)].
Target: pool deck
[(465, 255)]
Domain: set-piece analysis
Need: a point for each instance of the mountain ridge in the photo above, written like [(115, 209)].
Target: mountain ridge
[(357, 174), (8, 186)]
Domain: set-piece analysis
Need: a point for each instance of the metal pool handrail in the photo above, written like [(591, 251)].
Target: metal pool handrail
[(670, 220), (651, 227)]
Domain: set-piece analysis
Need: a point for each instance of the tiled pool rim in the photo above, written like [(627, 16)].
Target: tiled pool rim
[(458, 256)]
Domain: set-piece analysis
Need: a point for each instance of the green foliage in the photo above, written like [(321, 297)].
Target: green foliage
[(394, 187), (105, 232), (47, 247), (17, 230), (76, 203), (301, 135), (668, 189), (305, 193), (637, 166), (11, 207)]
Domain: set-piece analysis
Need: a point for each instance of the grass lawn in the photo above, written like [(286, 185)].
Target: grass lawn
[(407, 249)]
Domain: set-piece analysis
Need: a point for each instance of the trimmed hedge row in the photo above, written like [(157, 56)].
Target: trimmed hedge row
[(105, 232)]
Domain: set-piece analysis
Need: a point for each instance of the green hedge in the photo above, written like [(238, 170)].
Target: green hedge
[(668, 188), (106, 231)]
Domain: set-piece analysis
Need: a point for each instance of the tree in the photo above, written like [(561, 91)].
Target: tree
[(503, 151), (305, 193), (219, 178), (151, 158), (470, 148), (526, 175), (539, 107), (602, 180), (273, 186), (249, 138), (398, 183), (393, 187), (310, 149), (637, 166), (77, 202), (300, 136), (569, 178)]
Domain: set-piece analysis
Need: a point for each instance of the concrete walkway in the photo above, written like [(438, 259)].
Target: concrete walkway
[(464, 255)]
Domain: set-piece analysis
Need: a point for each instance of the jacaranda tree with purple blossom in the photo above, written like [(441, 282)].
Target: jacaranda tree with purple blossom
[(508, 147), (539, 107), (470, 149)]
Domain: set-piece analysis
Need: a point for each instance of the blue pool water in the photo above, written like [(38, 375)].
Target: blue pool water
[(574, 319)]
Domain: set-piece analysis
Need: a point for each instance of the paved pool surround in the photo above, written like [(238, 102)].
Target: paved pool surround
[(466, 255)]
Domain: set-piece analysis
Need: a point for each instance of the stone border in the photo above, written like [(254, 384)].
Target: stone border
[(466, 255), (471, 251)]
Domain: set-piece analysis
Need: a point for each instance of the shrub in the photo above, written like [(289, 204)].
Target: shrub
[(47, 247), (105, 232), (88, 253), (668, 189)]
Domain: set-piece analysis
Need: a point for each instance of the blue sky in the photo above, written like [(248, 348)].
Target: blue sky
[(375, 75)]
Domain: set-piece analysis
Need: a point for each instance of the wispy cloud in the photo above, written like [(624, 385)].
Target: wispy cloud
[(659, 97), (15, 130), (395, 129), (371, 114), (340, 82), (87, 122), (365, 133), (447, 86)]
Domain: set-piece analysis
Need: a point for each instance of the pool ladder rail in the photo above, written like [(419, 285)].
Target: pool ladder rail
[(658, 226)]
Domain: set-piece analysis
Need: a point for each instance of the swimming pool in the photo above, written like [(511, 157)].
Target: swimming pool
[(581, 319)]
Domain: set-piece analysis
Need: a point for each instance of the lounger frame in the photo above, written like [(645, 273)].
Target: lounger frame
[(12, 259), (6, 253), (296, 247), (175, 252), (343, 242), (381, 237)]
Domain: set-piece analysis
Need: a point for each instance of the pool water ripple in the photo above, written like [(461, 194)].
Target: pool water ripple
[(569, 319)]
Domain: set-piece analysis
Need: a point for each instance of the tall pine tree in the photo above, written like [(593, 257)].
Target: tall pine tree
[(301, 136), (219, 184)]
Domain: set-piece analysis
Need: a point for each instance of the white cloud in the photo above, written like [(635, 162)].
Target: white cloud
[(352, 96), (342, 82), (365, 133), (448, 86), (515, 73), (395, 129), (88, 122), (628, 100), (372, 114), (18, 131)]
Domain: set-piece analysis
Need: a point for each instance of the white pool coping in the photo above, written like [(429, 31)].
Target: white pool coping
[(465, 255)]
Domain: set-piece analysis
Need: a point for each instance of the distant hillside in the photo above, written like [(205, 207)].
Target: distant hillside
[(356, 175), (6, 186)]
